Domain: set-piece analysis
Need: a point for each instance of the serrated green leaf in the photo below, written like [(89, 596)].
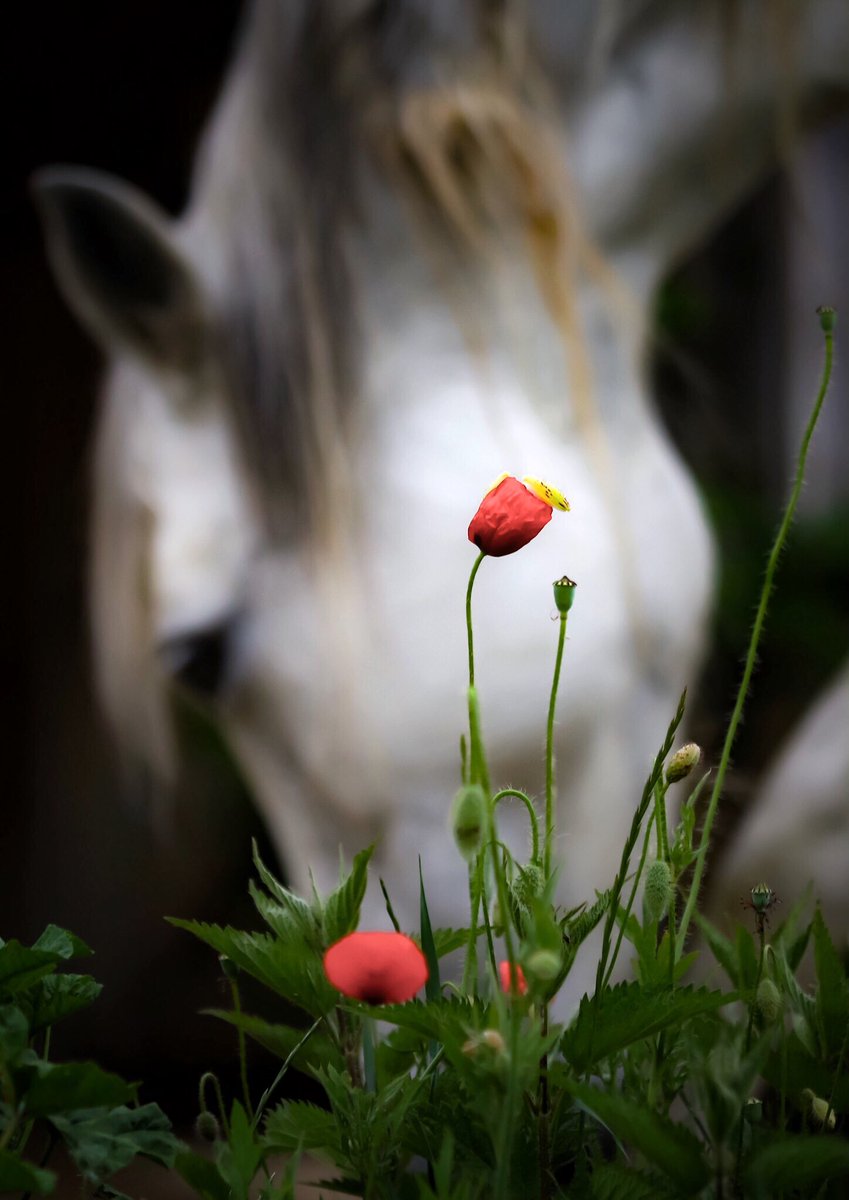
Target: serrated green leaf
[(63, 943), (447, 941), (281, 1040), (289, 970), (628, 1013), (201, 1175), (59, 995), (342, 907), (796, 1068), (299, 908), (103, 1140), (61, 1087), (20, 967), (613, 1181), (673, 1149), (239, 1157), (19, 1176), (579, 929), (794, 1162), (721, 948), (296, 1124), (832, 997)]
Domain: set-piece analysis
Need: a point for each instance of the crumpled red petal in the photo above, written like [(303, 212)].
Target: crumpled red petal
[(520, 984), (508, 518), (377, 967)]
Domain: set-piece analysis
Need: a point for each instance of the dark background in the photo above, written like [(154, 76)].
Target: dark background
[(126, 87)]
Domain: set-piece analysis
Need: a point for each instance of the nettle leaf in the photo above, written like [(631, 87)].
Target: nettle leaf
[(614, 1181), (61, 1087), (832, 998), (295, 1124), (796, 1067), (21, 967), (721, 948), (288, 969), (447, 941), (58, 995), (201, 1175), (103, 1140), (342, 907), (794, 1162), (63, 943), (239, 1157), (281, 1040), (286, 921), (19, 1176), (437, 1020), (299, 909), (672, 1148), (628, 1013)]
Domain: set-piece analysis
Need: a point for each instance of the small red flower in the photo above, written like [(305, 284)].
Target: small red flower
[(511, 514), (379, 968), (520, 984)]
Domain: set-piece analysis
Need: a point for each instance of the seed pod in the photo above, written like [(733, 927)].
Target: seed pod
[(564, 593), (828, 317), (658, 891), (468, 819), (768, 1003), (682, 762)]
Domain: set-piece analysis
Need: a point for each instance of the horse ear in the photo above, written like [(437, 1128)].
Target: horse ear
[(118, 265)]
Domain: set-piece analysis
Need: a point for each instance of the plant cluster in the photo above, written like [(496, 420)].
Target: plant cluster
[(654, 1088)]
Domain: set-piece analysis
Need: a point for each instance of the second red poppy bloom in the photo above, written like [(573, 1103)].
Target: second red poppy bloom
[(512, 513)]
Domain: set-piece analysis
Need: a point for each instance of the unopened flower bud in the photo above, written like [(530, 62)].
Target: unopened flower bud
[(490, 1039), (682, 762), (564, 593), (762, 895), (543, 964), (528, 884), (828, 317), (768, 1004), (468, 819), (818, 1110), (207, 1127), (658, 891)]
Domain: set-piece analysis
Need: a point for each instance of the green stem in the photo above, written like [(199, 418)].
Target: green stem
[(757, 629), (630, 903), (219, 1099), (243, 1057), (475, 570), (532, 814), (549, 751)]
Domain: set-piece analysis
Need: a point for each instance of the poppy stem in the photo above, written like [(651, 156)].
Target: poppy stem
[(475, 570), (549, 751)]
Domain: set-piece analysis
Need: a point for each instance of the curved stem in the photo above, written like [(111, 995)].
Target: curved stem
[(757, 629), (475, 570), (532, 813), (549, 751)]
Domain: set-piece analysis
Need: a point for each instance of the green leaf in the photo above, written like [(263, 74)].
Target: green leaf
[(747, 960), (297, 1124), (60, 1087), (342, 907), (58, 995), (14, 1034), (290, 970), (796, 1068), (281, 1040), (62, 943), (20, 967), (832, 999), (795, 1162), (628, 1013), (239, 1157), (447, 941), (102, 1140), (201, 1175), (613, 1181), (286, 921), (673, 1149), (298, 909), (19, 1176), (721, 948), (432, 988)]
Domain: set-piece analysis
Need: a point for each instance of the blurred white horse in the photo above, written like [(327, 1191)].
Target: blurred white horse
[(421, 245)]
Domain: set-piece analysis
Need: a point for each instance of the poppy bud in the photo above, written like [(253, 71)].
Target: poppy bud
[(753, 1110), (516, 977), (528, 884), (544, 965), (768, 1005), (818, 1110), (468, 819), (683, 761), (761, 895), (564, 593), (229, 968), (207, 1127), (511, 514), (658, 891)]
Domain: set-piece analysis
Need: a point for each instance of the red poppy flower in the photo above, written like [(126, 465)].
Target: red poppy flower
[(520, 984), (379, 968), (512, 513)]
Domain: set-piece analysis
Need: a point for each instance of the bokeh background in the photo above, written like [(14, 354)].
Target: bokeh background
[(126, 88)]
